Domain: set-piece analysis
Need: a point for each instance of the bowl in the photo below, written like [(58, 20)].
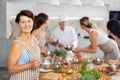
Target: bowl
[(46, 63), (58, 63), (69, 47), (57, 67), (45, 66), (76, 60), (49, 53), (75, 78), (113, 67), (98, 61), (55, 42)]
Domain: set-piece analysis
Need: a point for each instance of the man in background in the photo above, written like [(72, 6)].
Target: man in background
[(65, 34)]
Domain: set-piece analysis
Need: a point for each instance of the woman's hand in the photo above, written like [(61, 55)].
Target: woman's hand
[(43, 49), (76, 50), (35, 63), (50, 40), (60, 45)]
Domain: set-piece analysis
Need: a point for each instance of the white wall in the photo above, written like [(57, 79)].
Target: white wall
[(114, 5), (74, 11)]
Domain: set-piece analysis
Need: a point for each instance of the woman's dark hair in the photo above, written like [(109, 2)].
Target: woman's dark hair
[(27, 13), (114, 26), (85, 21), (39, 20)]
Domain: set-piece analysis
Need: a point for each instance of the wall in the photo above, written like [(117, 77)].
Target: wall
[(114, 5), (4, 51), (72, 11), (3, 13)]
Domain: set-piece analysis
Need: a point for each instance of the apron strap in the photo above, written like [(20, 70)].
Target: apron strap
[(20, 42)]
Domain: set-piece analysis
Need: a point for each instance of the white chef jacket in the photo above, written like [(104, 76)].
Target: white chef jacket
[(67, 36)]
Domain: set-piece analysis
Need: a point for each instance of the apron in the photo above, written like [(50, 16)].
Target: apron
[(32, 73), (110, 49)]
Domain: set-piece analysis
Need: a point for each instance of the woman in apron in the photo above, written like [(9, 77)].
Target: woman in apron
[(24, 56), (113, 27), (98, 39), (41, 23)]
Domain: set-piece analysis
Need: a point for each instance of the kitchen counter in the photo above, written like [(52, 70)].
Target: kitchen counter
[(54, 76)]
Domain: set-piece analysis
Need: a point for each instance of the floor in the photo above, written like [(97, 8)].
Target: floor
[(4, 75)]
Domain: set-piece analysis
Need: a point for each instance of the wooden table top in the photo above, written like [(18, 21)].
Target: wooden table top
[(49, 76), (54, 76)]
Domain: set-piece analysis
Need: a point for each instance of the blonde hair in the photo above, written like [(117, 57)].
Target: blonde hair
[(86, 22)]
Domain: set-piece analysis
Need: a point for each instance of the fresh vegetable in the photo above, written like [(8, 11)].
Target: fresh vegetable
[(90, 77), (60, 53), (86, 64), (95, 73), (59, 71), (83, 78), (84, 72), (62, 71), (88, 73)]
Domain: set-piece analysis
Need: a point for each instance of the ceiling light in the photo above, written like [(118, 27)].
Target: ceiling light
[(55, 2)]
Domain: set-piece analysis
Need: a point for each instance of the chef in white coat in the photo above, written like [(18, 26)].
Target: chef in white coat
[(65, 34)]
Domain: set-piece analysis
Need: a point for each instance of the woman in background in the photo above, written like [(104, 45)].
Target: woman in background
[(24, 56), (113, 27), (41, 22), (98, 39)]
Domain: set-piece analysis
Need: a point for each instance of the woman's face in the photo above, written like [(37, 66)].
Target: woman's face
[(82, 26), (25, 24), (47, 23), (108, 31)]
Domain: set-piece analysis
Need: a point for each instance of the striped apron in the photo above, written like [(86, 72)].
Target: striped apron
[(32, 73), (110, 49)]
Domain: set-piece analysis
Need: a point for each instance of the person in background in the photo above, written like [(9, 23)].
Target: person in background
[(65, 34), (98, 39), (49, 38), (41, 22), (113, 27), (24, 55)]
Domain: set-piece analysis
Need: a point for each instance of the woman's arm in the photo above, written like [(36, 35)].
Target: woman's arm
[(92, 48), (14, 55)]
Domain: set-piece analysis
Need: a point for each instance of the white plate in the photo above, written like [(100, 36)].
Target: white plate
[(44, 70)]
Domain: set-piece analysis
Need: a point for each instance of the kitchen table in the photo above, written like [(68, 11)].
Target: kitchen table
[(54, 76)]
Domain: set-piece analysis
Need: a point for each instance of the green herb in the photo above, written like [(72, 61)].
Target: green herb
[(95, 73), (60, 53), (61, 71), (83, 78), (87, 73), (90, 77)]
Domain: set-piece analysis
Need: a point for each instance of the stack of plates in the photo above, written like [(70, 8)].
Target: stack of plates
[(44, 70)]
